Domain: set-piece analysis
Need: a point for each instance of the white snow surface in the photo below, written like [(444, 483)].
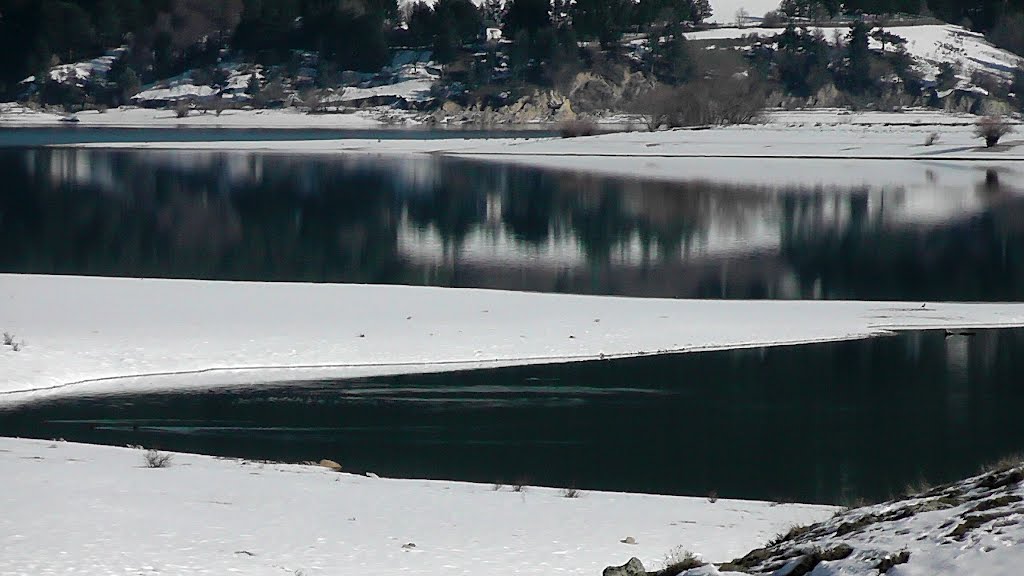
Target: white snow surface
[(85, 69), (416, 90), (13, 115), (93, 335), (176, 92), (928, 45), (724, 11), (92, 510)]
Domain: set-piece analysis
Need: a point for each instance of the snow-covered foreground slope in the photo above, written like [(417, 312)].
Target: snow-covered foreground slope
[(94, 334), (90, 510), (971, 527)]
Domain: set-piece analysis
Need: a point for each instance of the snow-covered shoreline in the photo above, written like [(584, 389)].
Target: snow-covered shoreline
[(98, 510), (96, 335), (804, 149)]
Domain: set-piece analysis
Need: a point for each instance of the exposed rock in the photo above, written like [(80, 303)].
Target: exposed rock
[(967, 101), (799, 566), (837, 553), (972, 521), (828, 96), (889, 561), (997, 502), (330, 464), (590, 92), (632, 568), (450, 107), (628, 540)]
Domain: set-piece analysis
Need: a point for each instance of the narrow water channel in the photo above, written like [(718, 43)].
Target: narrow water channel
[(829, 422)]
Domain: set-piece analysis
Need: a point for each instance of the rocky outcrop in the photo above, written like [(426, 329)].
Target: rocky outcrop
[(972, 102), (632, 568), (592, 93), (541, 106), (330, 465), (978, 512)]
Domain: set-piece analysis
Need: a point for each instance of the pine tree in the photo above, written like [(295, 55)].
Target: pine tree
[(858, 58)]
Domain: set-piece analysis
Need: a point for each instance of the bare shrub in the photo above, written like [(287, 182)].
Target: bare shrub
[(519, 486), (713, 496), (991, 129), (1005, 463), (931, 138), (916, 488), (16, 346), (656, 106), (577, 127), (679, 560), (497, 486), (709, 102), (313, 101), (792, 534), (156, 459), (8, 339), (182, 108), (571, 493), (220, 105)]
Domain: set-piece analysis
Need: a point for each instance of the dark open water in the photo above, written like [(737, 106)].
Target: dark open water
[(817, 423), (823, 423)]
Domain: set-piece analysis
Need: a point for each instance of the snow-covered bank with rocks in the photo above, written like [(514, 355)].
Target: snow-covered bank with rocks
[(93, 335), (974, 527), (91, 510)]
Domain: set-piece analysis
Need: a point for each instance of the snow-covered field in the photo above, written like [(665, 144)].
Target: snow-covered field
[(87, 335), (13, 115), (90, 510)]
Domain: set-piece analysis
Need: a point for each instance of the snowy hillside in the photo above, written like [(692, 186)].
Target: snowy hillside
[(927, 44), (84, 70)]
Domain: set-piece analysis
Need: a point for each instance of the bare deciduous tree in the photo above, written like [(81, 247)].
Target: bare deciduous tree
[(992, 128)]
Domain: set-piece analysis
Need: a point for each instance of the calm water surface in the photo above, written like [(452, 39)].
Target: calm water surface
[(821, 423), (429, 221)]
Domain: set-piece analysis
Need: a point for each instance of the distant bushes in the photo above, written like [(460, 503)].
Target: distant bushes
[(706, 103), (182, 108), (578, 127)]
